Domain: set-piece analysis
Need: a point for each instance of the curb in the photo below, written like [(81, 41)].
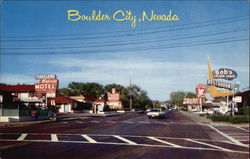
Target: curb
[(7, 124), (211, 122)]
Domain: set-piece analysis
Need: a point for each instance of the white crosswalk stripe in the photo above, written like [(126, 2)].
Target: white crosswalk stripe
[(202, 143), (125, 140), (89, 139), (54, 137), (22, 137), (130, 140), (165, 142)]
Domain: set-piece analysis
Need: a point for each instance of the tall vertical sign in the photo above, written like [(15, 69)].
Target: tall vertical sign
[(200, 92), (48, 85)]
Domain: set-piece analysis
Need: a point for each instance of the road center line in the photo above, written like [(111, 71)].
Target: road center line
[(129, 122), (202, 143), (165, 142), (111, 122), (54, 137), (144, 122), (89, 139), (125, 140), (227, 136), (95, 121), (22, 137)]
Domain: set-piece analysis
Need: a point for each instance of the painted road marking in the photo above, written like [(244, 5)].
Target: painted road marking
[(111, 122), (129, 122), (95, 121), (89, 139), (54, 137), (227, 136), (125, 140), (242, 128), (160, 122), (126, 144), (202, 143), (22, 137), (79, 122), (165, 142), (144, 122)]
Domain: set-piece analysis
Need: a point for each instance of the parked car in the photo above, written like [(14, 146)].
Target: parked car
[(156, 113)]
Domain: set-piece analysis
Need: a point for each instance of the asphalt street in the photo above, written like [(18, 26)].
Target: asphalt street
[(126, 136)]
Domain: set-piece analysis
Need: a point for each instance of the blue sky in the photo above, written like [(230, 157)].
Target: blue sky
[(159, 56)]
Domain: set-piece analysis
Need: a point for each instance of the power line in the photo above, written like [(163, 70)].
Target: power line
[(131, 43), (177, 45), (121, 35), (222, 20)]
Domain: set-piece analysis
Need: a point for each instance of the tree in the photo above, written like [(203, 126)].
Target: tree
[(156, 104), (176, 98), (190, 95), (90, 89), (65, 91), (118, 88), (139, 97)]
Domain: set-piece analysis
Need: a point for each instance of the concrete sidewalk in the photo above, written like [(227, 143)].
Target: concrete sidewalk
[(60, 117), (203, 120)]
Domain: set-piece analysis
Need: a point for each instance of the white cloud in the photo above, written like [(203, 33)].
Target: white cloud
[(16, 78), (158, 78)]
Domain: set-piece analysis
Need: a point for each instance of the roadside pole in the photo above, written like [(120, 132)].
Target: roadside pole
[(200, 104), (130, 99), (227, 101)]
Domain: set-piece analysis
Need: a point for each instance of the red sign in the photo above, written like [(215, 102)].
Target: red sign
[(113, 97), (46, 85), (200, 90)]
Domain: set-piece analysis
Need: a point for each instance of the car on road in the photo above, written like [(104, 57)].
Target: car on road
[(156, 113)]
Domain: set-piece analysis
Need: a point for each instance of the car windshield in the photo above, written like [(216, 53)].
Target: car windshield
[(155, 110)]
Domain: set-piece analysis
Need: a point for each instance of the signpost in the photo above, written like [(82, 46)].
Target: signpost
[(225, 74), (237, 99), (113, 97), (47, 85), (200, 92)]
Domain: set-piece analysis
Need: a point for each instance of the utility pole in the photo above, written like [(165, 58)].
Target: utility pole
[(130, 99)]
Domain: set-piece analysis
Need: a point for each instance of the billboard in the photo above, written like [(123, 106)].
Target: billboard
[(113, 97), (200, 90), (46, 85), (45, 76), (190, 101), (224, 73), (225, 85)]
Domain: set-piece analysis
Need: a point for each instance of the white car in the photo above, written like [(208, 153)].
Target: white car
[(156, 113)]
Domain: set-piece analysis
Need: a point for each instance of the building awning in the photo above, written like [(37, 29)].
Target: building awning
[(62, 100), (17, 88)]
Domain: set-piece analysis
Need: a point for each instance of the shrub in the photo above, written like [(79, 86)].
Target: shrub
[(239, 119), (220, 117), (232, 119), (108, 109)]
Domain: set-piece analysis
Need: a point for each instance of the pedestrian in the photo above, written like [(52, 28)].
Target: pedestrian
[(33, 115), (54, 116), (36, 116), (50, 115)]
